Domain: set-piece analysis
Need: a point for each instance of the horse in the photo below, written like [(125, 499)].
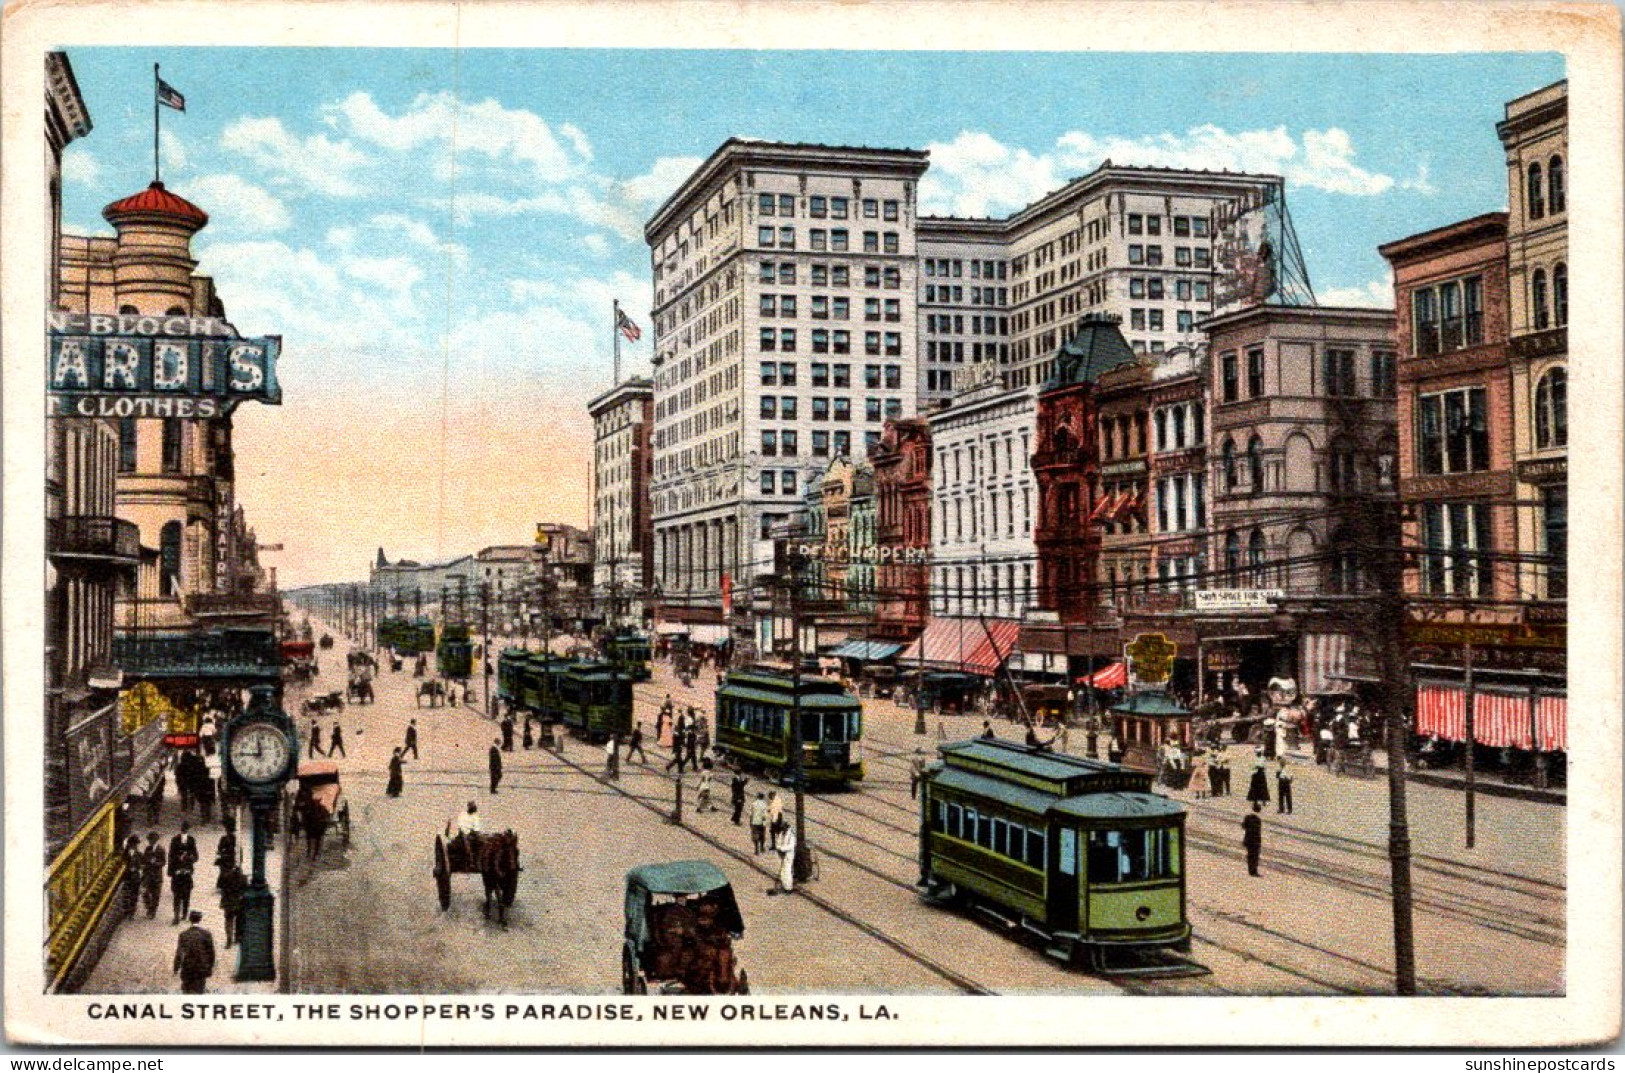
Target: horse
[(313, 822), (499, 868), (430, 690)]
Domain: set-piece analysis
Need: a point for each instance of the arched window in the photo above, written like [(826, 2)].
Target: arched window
[(169, 559), (1554, 185), (1255, 463), (1162, 430), (1537, 300), (1229, 455), (1552, 409), (1537, 194), (128, 309), (1255, 558), (1560, 295), (1232, 554), (1179, 427)]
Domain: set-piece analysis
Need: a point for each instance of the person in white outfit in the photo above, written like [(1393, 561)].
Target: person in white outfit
[(786, 845)]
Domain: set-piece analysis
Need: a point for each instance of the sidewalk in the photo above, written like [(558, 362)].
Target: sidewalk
[(139, 958)]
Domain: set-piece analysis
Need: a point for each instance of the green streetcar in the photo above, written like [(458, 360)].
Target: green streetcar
[(1078, 851), (753, 724), (454, 655), (592, 698), (630, 652), (407, 637)]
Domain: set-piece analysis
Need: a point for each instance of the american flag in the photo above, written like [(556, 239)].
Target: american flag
[(624, 325), (170, 97)]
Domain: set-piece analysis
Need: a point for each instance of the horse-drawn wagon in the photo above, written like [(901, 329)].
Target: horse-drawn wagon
[(318, 804), (493, 857), (324, 702), (681, 923)]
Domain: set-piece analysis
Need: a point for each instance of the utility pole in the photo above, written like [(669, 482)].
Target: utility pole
[(1382, 524), (1471, 701), (485, 630), (801, 866)]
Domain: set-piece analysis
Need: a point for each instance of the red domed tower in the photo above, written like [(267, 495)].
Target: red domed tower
[(152, 268)]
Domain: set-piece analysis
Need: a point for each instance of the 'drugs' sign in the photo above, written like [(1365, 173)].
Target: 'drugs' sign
[(139, 366)]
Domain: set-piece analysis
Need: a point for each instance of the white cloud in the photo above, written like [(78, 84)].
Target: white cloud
[(234, 202), (976, 175), (485, 129), (1376, 294), (172, 151), (619, 206), (80, 168), (596, 244), (316, 163)]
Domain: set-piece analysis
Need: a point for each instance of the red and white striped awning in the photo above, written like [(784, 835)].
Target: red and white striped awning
[(1500, 719), (1112, 677), (971, 645), (1322, 660)]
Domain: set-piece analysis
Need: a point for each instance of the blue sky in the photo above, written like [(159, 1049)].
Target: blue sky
[(438, 235)]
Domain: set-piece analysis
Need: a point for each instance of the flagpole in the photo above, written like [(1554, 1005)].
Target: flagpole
[(156, 175), (615, 331)]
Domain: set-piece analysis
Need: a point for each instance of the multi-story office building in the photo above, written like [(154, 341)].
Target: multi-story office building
[(984, 501), (1535, 136), (1122, 417), (623, 531), (964, 303), (1133, 242), (785, 335), (860, 543)]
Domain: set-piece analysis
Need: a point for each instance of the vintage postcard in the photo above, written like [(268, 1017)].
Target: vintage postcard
[(812, 524)]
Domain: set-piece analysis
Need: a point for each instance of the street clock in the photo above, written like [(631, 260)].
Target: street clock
[(260, 746)]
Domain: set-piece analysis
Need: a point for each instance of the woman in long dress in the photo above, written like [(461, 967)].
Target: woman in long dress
[(396, 783), (1199, 779), (786, 845)]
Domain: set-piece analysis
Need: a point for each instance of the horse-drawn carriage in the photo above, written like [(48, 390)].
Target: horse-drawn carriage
[(326, 641), (494, 857), (434, 691), (324, 702), (681, 923), (877, 680), (317, 805), (299, 660), (359, 691)]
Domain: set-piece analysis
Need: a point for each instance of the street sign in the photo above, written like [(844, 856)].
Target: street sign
[(1151, 657)]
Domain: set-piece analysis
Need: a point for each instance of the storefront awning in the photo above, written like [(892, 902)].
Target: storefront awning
[(672, 629), (972, 645), (1323, 663), (867, 651), (707, 634), (1112, 677), (1500, 720)]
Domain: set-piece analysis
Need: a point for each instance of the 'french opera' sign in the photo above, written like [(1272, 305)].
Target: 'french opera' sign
[(137, 366)]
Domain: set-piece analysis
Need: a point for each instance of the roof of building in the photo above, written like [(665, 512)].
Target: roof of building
[(1096, 347), (1489, 225), (505, 553), (155, 200)]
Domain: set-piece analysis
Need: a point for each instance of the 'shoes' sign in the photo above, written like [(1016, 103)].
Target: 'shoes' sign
[(134, 366)]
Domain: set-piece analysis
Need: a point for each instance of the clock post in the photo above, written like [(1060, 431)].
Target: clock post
[(261, 747)]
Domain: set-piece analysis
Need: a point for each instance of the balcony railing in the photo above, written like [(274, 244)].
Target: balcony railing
[(205, 604), (199, 654), (89, 536)]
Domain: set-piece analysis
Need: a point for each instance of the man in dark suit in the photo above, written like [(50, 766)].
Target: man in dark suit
[(496, 764), (736, 794), (507, 733), (152, 875), (232, 885), (1252, 837), (411, 745), (194, 956), (183, 855), (315, 740)]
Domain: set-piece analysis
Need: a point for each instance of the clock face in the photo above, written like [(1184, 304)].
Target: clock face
[(259, 752)]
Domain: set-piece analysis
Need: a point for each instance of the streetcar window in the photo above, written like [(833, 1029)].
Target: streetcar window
[(967, 824), (1001, 838), (1035, 849), (955, 815), (1130, 856), (1069, 852), (984, 831)]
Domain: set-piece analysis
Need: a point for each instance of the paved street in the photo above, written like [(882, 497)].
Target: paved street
[(1316, 921)]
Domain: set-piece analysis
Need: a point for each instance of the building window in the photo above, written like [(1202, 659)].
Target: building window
[(172, 445), (787, 340), (843, 410), (787, 273), (764, 236), (787, 374), (843, 444), (1186, 321), (1136, 224), (817, 207), (770, 442), (1383, 374), (888, 210), (1455, 536), (871, 409), (820, 406), (1136, 288), (1552, 409), (820, 443), (843, 342), (169, 557), (765, 204), (126, 444), (1560, 295), (839, 240), (1448, 316), (889, 242), (820, 341), (1537, 193), (1229, 463), (894, 344), (787, 238), (1255, 373), (1232, 555), (1136, 255), (767, 274), (1255, 463), (841, 375), (769, 339), (787, 442), (1340, 372), (1256, 555), (787, 409), (768, 483), (1555, 536), (871, 244), (1227, 366), (1537, 300), (767, 305), (1554, 184), (770, 406), (1454, 433)]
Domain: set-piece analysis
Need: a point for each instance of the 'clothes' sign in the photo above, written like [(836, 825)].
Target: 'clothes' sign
[(97, 373)]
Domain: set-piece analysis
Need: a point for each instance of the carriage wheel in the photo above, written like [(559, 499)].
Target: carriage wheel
[(442, 874)]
